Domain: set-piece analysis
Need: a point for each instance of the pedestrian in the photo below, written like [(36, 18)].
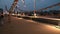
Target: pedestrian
[(1, 19)]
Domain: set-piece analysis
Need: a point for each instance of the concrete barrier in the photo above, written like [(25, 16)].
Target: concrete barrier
[(47, 21), (41, 20)]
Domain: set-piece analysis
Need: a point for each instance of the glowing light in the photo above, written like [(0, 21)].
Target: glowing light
[(57, 27), (20, 18), (54, 27), (13, 14)]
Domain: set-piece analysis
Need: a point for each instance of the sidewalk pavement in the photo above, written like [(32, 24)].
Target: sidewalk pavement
[(23, 26)]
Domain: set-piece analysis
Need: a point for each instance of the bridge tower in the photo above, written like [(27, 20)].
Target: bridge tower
[(13, 6), (11, 10)]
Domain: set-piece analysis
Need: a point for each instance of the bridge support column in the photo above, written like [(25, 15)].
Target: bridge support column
[(12, 9)]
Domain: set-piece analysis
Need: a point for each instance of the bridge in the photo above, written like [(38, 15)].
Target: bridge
[(15, 23)]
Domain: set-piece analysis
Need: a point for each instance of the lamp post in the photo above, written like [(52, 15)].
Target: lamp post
[(34, 8)]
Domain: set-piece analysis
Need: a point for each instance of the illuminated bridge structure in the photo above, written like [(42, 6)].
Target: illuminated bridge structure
[(58, 4)]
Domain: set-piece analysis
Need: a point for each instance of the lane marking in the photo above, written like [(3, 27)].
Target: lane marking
[(18, 18)]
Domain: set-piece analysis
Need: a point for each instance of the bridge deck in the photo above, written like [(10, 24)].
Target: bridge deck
[(44, 17)]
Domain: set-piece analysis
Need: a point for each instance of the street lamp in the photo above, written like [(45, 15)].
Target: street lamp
[(34, 8)]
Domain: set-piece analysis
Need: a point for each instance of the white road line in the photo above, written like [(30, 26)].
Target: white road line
[(20, 18), (33, 21)]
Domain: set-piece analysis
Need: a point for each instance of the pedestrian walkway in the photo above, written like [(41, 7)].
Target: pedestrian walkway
[(23, 26)]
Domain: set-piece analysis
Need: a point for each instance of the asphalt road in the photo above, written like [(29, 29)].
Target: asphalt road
[(23, 26)]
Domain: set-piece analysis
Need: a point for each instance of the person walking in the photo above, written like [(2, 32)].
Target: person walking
[(1, 19)]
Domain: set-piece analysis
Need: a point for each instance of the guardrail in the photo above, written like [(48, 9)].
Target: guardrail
[(47, 20)]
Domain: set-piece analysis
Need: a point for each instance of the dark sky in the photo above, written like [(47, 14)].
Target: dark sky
[(30, 4)]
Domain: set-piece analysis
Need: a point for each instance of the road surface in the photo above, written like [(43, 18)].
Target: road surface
[(23, 26)]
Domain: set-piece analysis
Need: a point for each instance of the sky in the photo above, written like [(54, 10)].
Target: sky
[(30, 4)]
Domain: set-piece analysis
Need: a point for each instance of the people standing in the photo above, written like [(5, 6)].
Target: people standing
[(1, 19)]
